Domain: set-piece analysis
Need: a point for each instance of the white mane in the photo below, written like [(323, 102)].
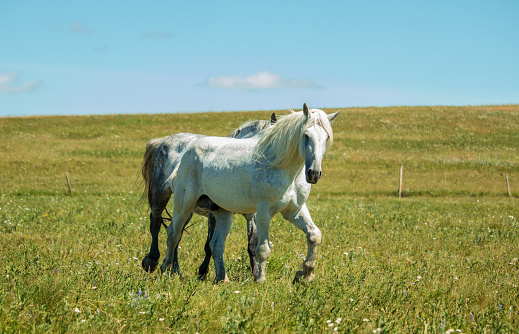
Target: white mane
[(279, 144)]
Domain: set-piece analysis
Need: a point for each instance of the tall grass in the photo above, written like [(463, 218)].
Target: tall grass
[(445, 257)]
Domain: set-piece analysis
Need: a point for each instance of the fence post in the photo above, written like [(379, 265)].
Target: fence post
[(68, 182), (508, 186), (400, 181)]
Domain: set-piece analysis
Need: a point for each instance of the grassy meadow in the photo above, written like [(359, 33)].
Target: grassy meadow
[(444, 258)]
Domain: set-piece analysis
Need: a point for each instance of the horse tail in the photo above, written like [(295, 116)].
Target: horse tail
[(151, 146)]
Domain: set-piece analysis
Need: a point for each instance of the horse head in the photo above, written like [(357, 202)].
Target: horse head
[(314, 141)]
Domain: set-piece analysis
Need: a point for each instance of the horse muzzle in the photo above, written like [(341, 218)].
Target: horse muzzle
[(312, 176)]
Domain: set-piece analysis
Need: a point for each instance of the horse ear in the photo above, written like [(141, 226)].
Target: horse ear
[(305, 110), (332, 117), (273, 118)]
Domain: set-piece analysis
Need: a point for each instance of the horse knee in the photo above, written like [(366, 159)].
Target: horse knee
[(314, 236), (263, 252)]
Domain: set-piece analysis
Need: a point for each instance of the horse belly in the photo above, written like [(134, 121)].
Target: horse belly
[(229, 189)]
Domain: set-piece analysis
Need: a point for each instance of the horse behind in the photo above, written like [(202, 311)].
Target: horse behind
[(162, 156)]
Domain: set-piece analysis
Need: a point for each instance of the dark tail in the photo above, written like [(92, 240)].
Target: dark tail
[(151, 146)]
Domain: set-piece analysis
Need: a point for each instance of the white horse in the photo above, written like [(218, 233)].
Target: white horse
[(262, 174), (161, 158)]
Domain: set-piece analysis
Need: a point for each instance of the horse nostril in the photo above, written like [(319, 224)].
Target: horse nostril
[(320, 173)]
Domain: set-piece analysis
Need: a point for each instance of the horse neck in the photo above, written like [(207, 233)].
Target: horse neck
[(295, 167)]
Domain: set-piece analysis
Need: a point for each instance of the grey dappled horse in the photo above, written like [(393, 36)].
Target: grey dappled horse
[(162, 156), (267, 173)]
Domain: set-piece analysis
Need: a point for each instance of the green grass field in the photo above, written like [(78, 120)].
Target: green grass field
[(444, 258)]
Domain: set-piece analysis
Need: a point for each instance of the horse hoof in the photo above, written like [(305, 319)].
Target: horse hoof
[(163, 270), (225, 280), (149, 265), (260, 280), (300, 277)]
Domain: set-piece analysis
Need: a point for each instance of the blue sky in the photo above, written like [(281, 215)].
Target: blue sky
[(99, 57)]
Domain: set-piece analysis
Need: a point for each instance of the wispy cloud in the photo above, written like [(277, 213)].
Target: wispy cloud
[(157, 35), (9, 84), (79, 27), (259, 81), (101, 49)]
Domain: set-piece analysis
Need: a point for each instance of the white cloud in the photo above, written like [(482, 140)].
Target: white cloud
[(9, 84), (79, 27), (157, 35), (259, 81)]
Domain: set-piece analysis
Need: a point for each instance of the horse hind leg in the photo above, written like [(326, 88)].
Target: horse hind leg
[(175, 266), (179, 221), (252, 242), (204, 267), (206, 204), (158, 204)]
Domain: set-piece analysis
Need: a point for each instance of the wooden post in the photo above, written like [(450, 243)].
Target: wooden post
[(400, 181), (68, 182), (508, 186)]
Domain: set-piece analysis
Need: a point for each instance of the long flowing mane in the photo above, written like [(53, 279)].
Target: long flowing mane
[(249, 128), (279, 144)]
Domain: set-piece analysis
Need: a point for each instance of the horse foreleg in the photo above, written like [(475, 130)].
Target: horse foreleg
[(263, 217), (217, 244), (252, 242), (303, 221), (204, 267)]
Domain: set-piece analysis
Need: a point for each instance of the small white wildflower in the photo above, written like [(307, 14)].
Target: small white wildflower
[(83, 320), (351, 299), (366, 320), (236, 291), (161, 319), (77, 310), (328, 321), (94, 287), (331, 324), (338, 320), (346, 253), (142, 312)]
